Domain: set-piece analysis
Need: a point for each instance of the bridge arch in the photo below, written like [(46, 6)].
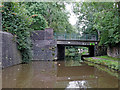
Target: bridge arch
[(61, 51)]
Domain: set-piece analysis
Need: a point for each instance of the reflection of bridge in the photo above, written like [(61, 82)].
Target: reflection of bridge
[(86, 40)]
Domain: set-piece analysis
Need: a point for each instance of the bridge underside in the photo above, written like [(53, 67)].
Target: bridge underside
[(62, 43)]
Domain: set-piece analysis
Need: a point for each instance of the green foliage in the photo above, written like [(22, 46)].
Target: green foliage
[(104, 37), (16, 21), (73, 51), (109, 63), (100, 18), (54, 14), (21, 18), (39, 22), (36, 11), (109, 58)]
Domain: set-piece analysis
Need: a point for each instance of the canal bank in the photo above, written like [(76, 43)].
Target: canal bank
[(109, 62)]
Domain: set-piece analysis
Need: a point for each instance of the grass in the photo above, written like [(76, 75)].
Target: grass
[(109, 58), (110, 62)]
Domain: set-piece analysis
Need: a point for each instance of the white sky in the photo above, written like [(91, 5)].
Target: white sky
[(73, 17)]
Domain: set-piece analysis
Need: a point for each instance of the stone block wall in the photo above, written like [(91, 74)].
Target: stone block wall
[(38, 35), (10, 55), (44, 46), (46, 34), (44, 50), (100, 50), (114, 51)]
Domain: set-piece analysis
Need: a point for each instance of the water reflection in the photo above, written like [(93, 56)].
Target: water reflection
[(78, 84), (23, 79), (72, 63), (56, 74)]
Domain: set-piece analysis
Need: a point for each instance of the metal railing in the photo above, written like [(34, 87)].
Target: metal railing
[(63, 36)]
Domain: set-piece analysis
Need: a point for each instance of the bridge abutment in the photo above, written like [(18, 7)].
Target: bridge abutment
[(44, 45), (60, 52), (91, 51)]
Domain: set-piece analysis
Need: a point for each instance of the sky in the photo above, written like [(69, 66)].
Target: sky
[(73, 17)]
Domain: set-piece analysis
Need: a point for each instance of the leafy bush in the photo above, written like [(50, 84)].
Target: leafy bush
[(16, 21), (39, 22)]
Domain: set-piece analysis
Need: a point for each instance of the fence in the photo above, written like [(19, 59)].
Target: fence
[(64, 36)]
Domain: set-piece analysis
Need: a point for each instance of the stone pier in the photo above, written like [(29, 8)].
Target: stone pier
[(44, 45)]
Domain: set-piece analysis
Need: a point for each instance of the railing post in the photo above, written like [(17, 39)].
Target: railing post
[(65, 35), (54, 35), (96, 36), (86, 36)]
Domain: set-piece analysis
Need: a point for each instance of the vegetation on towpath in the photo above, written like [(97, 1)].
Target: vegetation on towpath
[(109, 62)]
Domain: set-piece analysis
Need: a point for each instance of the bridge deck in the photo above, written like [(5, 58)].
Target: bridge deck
[(77, 42), (82, 40)]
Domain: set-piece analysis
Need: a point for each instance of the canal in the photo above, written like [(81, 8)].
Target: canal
[(67, 73)]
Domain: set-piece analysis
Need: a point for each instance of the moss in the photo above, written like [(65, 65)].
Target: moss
[(52, 48), (53, 54), (42, 49)]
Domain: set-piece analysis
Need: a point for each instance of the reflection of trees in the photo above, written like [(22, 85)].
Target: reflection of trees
[(72, 63), (24, 76)]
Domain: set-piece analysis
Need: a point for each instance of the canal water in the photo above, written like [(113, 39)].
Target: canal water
[(57, 74)]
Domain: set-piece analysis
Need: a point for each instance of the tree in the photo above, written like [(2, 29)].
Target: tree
[(101, 18), (53, 12)]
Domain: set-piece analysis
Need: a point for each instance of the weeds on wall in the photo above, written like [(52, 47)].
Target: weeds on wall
[(15, 20)]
